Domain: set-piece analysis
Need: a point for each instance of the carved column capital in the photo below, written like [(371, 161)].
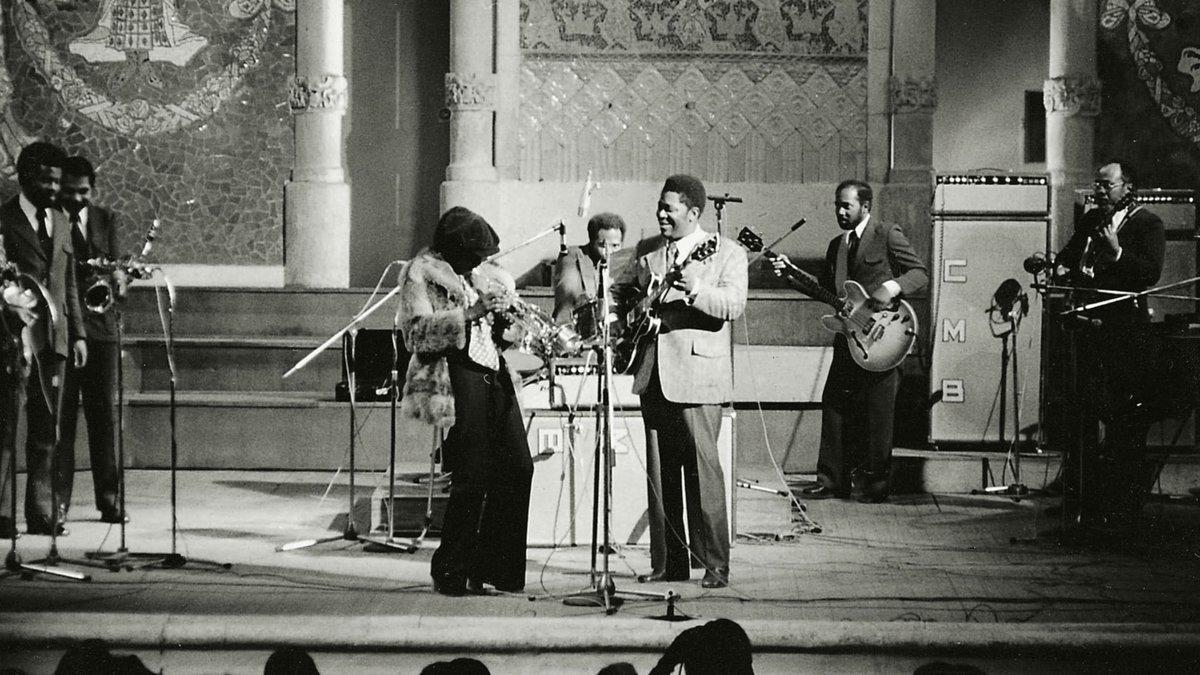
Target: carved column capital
[(1070, 95), (325, 93), (913, 94), (470, 91)]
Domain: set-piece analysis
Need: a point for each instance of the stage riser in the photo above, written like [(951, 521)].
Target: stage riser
[(233, 368)]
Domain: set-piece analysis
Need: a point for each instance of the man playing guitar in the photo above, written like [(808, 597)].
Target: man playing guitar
[(683, 374), (858, 404)]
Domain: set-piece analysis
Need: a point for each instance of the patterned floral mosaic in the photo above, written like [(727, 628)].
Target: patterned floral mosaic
[(181, 105), (742, 90), (772, 26)]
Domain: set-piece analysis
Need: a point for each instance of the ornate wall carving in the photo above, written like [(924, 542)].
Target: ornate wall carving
[(913, 94), (470, 91), (736, 91), (327, 93), (1071, 95), (185, 115)]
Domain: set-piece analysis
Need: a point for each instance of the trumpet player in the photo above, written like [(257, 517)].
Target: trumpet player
[(454, 308), (37, 239), (93, 235)]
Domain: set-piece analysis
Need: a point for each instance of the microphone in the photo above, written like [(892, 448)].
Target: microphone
[(585, 199), (1038, 262), (1006, 297), (724, 198), (562, 237), (150, 237), (799, 224), (1091, 321)]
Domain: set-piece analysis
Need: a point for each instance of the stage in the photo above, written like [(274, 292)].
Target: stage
[(881, 588)]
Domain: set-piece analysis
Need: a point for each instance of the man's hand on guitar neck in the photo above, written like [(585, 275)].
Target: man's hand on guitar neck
[(688, 280)]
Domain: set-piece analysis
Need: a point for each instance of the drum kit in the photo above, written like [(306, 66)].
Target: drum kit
[(543, 340)]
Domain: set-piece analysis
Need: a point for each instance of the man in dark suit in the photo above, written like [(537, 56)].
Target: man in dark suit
[(684, 376), (93, 235), (1118, 246), (37, 237), (575, 272), (858, 406)]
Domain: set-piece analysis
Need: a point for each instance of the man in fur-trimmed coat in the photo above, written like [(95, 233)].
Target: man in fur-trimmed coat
[(451, 316)]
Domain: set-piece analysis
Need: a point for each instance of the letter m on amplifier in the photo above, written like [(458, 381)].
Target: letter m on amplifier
[(954, 331)]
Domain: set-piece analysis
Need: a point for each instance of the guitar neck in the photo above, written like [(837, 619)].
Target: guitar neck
[(809, 285)]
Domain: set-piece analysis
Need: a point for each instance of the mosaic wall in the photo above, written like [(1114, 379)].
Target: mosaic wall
[(1149, 67), (767, 91), (181, 105)]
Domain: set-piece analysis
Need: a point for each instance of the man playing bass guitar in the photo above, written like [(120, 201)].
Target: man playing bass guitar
[(683, 374), (858, 404)]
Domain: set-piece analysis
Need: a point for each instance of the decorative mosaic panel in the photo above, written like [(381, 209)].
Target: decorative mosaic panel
[(733, 90), (810, 27), (182, 106), (733, 122)]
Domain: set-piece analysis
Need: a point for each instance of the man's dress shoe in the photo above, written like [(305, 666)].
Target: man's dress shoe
[(715, 579), (661, 576), (45, 531), (113, 518), (873, 498)]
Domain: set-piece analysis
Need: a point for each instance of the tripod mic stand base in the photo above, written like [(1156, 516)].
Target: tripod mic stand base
[(605, 594), (390, 545)]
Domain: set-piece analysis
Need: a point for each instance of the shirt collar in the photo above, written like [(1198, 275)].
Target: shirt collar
[(685, 244), (860, 228)]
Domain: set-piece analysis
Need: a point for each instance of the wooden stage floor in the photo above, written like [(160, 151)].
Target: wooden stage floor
[(947, 561)]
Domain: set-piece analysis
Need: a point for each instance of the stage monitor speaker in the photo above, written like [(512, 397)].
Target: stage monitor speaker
[(560, 509), (972, 260), (372, 365)]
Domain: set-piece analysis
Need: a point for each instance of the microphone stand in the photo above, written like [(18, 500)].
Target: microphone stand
[(50, 564), (559, 226), (603, 592), (348, 333)]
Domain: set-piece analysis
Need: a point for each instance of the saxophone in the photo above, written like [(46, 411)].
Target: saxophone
[(99, 296)]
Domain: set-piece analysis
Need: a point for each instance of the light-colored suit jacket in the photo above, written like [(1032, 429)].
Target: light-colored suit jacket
[(694, 349)]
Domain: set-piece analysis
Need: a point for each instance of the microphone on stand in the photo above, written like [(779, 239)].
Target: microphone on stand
[(585, 199), (1038, 262), (562, 238), (150, 237)]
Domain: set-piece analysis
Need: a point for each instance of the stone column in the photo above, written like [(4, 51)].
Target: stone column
[(471, 92), (912, 100), (508, 86), (1071, 95), (317, 198)]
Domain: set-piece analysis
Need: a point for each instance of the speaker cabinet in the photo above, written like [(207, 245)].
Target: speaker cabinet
[(564, 453), (974, 260)]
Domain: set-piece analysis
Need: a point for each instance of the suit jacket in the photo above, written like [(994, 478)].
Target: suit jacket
[(883, 253), (1143, 244), (57, 274), (694, 349), (101, 243)]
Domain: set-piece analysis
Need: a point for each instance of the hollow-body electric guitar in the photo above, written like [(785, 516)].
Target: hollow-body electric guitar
[(643, 319), (879, 339)]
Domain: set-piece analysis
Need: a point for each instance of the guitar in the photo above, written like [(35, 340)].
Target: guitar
[(879, 339), (642, 319)]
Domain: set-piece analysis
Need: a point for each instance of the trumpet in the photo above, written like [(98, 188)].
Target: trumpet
[(543, 336)]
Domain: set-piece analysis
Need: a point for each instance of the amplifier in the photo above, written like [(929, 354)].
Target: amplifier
[(991, 194), (576, 382)]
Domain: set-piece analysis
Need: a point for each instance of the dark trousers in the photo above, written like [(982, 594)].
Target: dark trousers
[(97, 384), (487, 514), (682, 457), (40, 395), (857, 415)]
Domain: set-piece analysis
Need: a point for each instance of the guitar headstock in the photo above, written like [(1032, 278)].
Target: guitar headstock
[(750, 240), (704, 251)]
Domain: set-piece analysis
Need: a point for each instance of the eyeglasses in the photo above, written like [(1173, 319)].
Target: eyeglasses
[(1105, 185)]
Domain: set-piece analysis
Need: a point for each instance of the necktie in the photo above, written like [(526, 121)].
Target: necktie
[(851, 252), (78, 240), (672, 253), (480, 347), (43, 234)]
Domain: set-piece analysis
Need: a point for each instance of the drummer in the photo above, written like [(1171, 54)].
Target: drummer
[(575, 272)]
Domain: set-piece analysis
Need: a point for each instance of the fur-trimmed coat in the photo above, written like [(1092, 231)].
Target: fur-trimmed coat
[(433, 303)]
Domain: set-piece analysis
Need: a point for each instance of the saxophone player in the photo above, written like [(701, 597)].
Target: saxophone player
[(93, 235)]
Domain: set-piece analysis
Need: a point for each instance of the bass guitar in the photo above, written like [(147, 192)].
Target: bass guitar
[(879, 339), (643, 320)]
